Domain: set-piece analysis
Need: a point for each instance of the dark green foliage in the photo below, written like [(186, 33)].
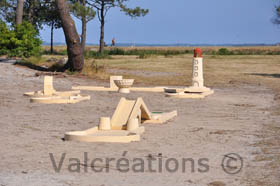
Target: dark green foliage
[(134, 12), (80, 11), (276, 19), (224, 51), (7, 10), (116, 51), (144, 56), (21, 41), (140, 52), (145, 53), (49, 14), (245, 51), (103, 6), (108, 4), (97, 55)]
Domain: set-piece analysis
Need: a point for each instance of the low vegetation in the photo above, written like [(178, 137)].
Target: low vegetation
[(147, 52), (20, 41)]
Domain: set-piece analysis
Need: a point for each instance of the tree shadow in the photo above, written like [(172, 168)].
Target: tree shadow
[(53, 68), (32, 66), (265, 75)]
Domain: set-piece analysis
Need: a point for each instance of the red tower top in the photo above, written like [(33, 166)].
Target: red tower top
[(197, 52)]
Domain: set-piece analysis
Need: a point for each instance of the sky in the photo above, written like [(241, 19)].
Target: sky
[(186, 21)]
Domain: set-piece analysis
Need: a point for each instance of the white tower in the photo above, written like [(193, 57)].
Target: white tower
[(197, 72)]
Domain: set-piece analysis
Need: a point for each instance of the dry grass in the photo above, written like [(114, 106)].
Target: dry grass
[(218, 70)]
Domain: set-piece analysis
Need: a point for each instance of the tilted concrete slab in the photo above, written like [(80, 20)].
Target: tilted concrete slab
[(161, 117), (122, 113), (128, 109)]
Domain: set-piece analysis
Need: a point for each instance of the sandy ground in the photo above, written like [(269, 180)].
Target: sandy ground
[(230, 121)]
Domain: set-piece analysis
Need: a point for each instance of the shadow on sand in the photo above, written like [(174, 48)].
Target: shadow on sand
[(265, 75), (32, 66), (52, 69)]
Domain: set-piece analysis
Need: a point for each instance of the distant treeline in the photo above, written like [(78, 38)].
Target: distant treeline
[(145, 53), (174, 45)]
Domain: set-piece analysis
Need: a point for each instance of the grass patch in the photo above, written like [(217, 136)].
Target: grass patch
[(95, 69), (40, 63), (35, 60), (96, 55), (55, 52)]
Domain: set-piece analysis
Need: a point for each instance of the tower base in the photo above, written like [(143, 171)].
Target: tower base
[(189, 92)]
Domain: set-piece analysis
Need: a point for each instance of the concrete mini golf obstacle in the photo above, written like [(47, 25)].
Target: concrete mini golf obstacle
[(124, 127), (197, 90), (49, 95), (113, 86)]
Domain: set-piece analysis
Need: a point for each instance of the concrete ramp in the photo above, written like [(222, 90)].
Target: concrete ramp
[(129, 109), (122, 113)]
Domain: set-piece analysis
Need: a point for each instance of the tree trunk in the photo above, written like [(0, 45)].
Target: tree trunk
[(102, 20), (52, 37), (74, 49), (19, 11), (84, 28)]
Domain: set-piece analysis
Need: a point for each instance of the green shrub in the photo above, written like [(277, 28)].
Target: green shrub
[(116, 51), (224, 51), (97, 55), (144, 56), (21, 41)]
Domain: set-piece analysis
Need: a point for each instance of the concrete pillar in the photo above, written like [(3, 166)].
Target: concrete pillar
[(133, 124), (48, 86), (104, 123)]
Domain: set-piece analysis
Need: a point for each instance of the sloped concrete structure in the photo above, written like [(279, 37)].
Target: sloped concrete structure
[(129, 109), (125, 124)]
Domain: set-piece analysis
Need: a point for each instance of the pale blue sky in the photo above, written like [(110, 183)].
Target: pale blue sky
[(187, 21)]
